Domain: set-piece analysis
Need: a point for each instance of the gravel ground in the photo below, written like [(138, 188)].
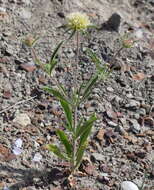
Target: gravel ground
[(121, 147)]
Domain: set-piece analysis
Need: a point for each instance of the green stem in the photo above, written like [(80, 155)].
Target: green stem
[(76, 103)]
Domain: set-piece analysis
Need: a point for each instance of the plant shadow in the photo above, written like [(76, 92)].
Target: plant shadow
[(32, 177)]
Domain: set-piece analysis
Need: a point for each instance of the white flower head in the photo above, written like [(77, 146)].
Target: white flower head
[(78, 21)]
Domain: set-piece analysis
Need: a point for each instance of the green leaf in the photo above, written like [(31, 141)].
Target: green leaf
[(80, 153), (89, 86), (93, 26), (85, 135), (67, 126), (56, 93), (65, 141), (81, 129), (79, 125), (50, 66), (86, 132), (68, 112), (53, 62), (56, 151)]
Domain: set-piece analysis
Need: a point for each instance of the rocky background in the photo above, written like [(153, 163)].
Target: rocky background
[(122, 141)]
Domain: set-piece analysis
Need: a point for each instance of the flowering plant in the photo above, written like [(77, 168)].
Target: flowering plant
[(77, 130)]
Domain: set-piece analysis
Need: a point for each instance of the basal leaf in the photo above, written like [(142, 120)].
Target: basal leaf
[(56, 151), (65, 141)]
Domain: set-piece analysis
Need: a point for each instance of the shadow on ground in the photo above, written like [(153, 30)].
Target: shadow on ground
[(33, 177)]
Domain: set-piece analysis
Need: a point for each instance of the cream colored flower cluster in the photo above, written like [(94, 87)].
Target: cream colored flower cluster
[(78, 21)]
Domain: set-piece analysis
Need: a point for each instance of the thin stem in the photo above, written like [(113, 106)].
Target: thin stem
[(76, 103), (116, 54)]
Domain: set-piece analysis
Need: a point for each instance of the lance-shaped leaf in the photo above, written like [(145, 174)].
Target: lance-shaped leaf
[(56, 93), (68, 113), (56, 151), (80, 153), (65, 141), (53, 62), (89, 86), (49, 67), (81, 129), (85, 134)]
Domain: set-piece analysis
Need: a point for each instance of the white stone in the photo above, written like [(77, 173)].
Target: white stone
[(128, 185), (25, 14), (139, 33), (22, 119), (18, 143), (37, 157)]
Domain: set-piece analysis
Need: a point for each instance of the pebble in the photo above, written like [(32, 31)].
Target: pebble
[(133, 105), (135, 126), (142, 111), (110, 89), (128, 185), (25, 14), (114, 22), (139, 33), (112, 124), (22, 119), (98, 156)]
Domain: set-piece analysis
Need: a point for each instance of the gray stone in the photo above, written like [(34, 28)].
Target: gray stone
[(142, 111), (98, 156), (22, 119), (25, 14), (110, 89), (133, 105), (128, 185), (129, 95), (112, 124), (135, 126)]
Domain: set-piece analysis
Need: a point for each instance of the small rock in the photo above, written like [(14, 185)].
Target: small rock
[(142, 112), (111, 114), (37, 157), (25, 14), (22, 119), (61, 14), (129, 95), (113, 22), (110, 89), (135, 126), (112, 124), (132, 105), (139, 33), (100, 134), (128, 185), (98, 156), (30, 67), (9, 51)]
